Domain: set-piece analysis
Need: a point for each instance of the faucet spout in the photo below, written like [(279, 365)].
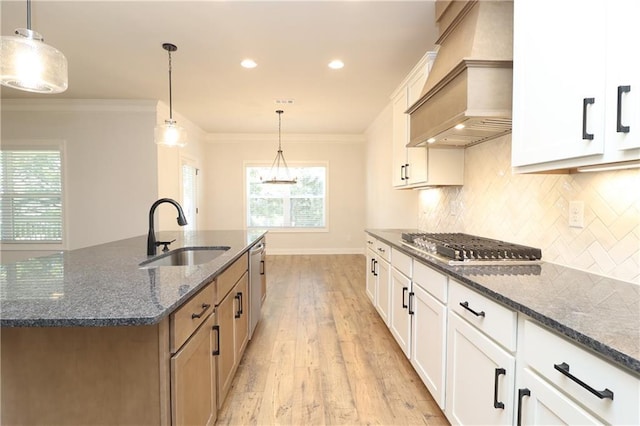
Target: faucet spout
[(151, 237)]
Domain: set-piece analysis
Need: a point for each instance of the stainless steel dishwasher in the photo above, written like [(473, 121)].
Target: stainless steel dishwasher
[(256, 276)]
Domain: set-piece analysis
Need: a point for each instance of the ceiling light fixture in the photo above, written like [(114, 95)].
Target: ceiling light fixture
[(279, 171), (169, 133), (336, 64), (248, 63), (29, 64)]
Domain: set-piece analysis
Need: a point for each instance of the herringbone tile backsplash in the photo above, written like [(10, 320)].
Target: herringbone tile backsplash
[(534, 210)]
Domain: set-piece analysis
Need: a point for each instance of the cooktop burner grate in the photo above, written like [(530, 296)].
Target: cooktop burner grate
[(465, 248)]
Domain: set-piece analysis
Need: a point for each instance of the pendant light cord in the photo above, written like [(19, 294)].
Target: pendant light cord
[(279, 129), (170, 97), (28, 14)]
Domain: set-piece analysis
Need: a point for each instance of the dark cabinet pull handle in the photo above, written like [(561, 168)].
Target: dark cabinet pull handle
[(241, 303), (205, 306), (564, 369), (496, 403), (238, 312), (585, 103), (262, 267), (620, 127), (406, 171), (402, 173), (375, 273), (372, 269), (521, 394), (404, 292), (216, 351), (466, 306), (411, 295)]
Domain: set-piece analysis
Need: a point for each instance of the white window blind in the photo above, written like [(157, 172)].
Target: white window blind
[(299, 206), (31, 190)]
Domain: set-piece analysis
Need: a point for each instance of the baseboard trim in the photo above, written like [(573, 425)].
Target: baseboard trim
[(309, 251)]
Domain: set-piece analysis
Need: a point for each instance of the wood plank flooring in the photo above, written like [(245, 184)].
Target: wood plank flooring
[(321, 355)]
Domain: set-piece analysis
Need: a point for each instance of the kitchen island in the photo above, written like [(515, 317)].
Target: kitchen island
[(90, 337)]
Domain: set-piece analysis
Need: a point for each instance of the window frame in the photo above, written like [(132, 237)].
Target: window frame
[(292, 165), (34, 145)]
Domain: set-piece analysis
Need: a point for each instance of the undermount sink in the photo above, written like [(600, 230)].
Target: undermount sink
[(185, 256)]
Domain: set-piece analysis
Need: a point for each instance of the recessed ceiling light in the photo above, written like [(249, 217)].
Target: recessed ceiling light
[(431, 140), (459, 126), (248, 63), (336, 64)]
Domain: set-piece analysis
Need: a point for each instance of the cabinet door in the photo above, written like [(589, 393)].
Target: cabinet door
[(416, 172), (241, 317), (400, 138), (555, 69), (193, 383), (480, 377), (226, 358), (383, 282), (428, 328), (542, 404), (371, 276), (623, 69), (400, 320)]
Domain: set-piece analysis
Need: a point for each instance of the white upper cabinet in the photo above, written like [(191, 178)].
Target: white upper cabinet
[(420, 166), (566, 78)]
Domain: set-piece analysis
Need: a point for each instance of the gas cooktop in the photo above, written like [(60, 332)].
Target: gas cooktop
[(465, 249)]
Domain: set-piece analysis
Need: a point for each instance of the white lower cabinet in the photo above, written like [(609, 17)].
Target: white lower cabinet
[(428, 341), (480, 377), (383, 280), (539, 403), (580, 387), (401, 294), (370, 288)]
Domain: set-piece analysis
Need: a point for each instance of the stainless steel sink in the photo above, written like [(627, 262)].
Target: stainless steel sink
[(185, 256)]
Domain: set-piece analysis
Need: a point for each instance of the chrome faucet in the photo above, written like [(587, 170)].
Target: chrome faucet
[(151, 238)]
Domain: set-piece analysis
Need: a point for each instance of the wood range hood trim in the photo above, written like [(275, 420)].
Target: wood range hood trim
[(471, 80)]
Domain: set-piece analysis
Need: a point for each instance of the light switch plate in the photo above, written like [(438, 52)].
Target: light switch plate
[(576, 214)]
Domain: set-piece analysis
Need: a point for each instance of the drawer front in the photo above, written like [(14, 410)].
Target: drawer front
[(431, 280), (369, 241), (402, 262), (186, 319), (383, 250), (495, 320), (594, 372), (226, 280)]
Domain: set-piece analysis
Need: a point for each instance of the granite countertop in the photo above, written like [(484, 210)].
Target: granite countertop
[(599, 313), (103, 285)]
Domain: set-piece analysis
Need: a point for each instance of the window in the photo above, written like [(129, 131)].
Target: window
[(299, 206), (31, 192)]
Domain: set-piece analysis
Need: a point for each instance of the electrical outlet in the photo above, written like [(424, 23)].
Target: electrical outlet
[(576, 214)]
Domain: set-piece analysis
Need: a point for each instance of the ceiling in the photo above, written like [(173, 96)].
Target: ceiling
[(114, 50)]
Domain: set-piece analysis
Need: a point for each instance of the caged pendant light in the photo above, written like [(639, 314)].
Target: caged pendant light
[(169, 133), (279, 172), (29, 64)]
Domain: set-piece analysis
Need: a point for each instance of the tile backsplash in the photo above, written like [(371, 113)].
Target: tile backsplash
[(533, 209)]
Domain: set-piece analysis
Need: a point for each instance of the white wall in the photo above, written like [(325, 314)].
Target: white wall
[(385, 207), (110, 161), (226, 156)]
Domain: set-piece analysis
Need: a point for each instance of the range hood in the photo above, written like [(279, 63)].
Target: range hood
[(467, 96)]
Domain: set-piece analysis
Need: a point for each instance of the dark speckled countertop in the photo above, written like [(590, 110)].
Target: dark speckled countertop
[(599, 313), (104, 286)]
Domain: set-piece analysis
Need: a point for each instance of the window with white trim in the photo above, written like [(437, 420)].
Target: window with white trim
[(190, 195), (300, 206), (31, 195)]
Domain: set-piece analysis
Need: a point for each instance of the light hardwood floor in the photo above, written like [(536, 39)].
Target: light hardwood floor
[(322, 355)]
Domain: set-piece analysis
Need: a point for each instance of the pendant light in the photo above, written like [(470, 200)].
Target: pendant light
[(27, 63), (279, 171), (169, 133)]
